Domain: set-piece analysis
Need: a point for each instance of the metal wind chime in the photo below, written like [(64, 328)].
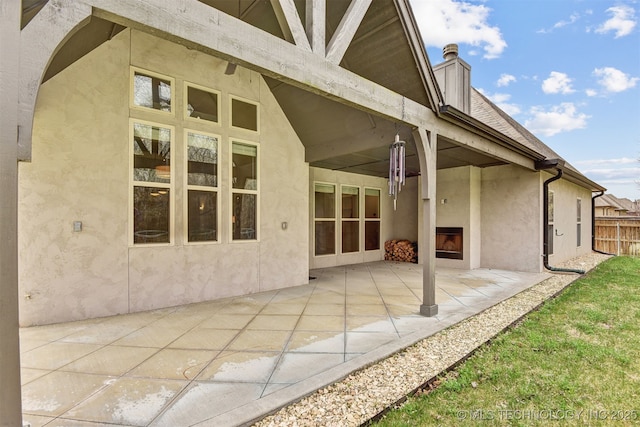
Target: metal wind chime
[(396, 168)]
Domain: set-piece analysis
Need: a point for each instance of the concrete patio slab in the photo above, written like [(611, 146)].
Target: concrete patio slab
[(226, 362)]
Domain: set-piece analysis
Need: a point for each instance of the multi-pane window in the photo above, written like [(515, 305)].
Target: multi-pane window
[(350, 220), (202, 186), (151, 182), (202, 103), (372, 219), (359, 212), (325, 219), (156, 183), (579, 222), (244, 181), (151, 90)]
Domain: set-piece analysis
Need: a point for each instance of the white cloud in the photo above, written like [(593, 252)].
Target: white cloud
[(572, 19), (505, 80), (561, 118), (618, 175), (591, 92), (557, 83), (614, 80), (446, 21), (622, 21), (608, 162)]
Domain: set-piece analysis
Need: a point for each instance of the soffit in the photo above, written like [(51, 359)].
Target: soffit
[(335, 136), (341, 138), (379, 52)]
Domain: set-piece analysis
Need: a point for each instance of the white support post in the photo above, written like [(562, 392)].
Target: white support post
[(426, 149), (10, 392)]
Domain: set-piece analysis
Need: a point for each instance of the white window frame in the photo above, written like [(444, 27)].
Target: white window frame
[(170, 185), (185, 110), (365, 219), (187, 187), (579, 222), (336, 205), (230, 115), (358, 219), (233, 190), (134, 106)]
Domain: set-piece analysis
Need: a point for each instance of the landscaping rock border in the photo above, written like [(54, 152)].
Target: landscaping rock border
[(368, 392)]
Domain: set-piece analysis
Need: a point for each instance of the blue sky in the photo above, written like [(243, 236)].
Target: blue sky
[(569, 70)]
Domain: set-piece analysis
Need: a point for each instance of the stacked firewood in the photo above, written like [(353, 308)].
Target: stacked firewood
[(401, 250)]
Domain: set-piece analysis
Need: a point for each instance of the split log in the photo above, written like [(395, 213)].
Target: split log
[(401, 250)]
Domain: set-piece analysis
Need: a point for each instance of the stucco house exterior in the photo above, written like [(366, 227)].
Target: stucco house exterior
[(172, 152), (166, 168)]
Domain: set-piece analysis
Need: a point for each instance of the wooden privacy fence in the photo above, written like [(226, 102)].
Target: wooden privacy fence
[(619, 236)]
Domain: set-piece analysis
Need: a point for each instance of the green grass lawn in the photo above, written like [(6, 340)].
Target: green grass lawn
[(576, 361)]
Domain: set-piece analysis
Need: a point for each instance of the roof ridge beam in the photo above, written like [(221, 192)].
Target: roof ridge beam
[(290, 23), (346, 31)]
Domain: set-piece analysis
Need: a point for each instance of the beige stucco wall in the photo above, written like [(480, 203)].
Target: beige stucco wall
[(565, 236), (80, 172), (404, 220), (458, 204), (511, 218)]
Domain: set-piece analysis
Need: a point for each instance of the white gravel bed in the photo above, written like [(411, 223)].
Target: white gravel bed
[(366, 392)]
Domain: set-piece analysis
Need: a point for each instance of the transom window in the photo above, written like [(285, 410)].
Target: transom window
[(151, 90), (202, 103), (244, 114)]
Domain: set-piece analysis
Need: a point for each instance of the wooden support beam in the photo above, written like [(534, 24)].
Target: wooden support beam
[(290, 23), (426, 148), (10, 391), (316, 13), (198, 26), (204, 28), (39, 41), (346, 30)]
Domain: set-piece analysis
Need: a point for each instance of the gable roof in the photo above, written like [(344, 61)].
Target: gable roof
[(611, 201)]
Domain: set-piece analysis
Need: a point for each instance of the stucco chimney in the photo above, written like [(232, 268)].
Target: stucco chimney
[(454, 79)]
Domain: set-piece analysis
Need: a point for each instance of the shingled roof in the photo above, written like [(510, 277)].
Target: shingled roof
[(490, 114)]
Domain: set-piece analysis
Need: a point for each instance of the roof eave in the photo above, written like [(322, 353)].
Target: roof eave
[(454, 115), (421, 57)]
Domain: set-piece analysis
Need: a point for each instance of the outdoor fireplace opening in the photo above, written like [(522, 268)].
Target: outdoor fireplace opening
[(449, 242)]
